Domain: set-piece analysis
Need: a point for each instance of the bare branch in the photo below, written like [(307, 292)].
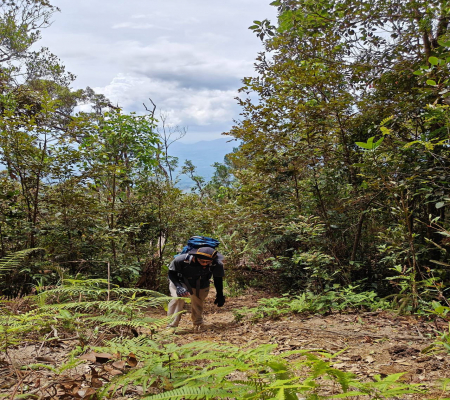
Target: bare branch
[(152, 112)]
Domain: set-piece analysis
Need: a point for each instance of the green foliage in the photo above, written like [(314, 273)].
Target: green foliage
[(95, 305), (339, 132), (15, 260), (444, 340), (14, 327), (106, 306), (211, 370), (444, 385), (340, 299)]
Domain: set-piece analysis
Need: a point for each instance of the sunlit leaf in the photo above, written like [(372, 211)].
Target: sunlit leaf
[(433, 60)]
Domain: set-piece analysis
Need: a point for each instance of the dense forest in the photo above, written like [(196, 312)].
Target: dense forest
[(340, 179)]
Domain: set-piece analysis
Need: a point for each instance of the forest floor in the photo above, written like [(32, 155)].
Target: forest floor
[(373, 343)]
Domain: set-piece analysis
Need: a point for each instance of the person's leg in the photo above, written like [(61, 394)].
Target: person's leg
[(197, 305), (175, 306)]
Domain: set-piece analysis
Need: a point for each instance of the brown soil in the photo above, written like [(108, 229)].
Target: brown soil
[(374, 343)]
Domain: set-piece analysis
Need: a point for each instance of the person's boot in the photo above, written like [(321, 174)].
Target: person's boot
[(199, 328)]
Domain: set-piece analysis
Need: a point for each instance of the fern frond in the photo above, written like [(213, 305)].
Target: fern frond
[(14, 260), (88, 283), (211, 346), (94, 290), (115, 320), (131, 291), (142, 346), (109, 306), (29, 317), (386, 120), (219, 373), (190, 393)]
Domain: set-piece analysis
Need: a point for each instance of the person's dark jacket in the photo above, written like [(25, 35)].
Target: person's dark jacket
[(184, 269)]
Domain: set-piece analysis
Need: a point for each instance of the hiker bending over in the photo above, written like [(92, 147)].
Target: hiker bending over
[(189, 276)]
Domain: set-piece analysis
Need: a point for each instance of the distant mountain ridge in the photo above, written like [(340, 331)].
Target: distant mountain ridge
[(203, 155)]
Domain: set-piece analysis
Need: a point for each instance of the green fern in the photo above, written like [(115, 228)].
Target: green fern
[(114, 320), (191, 393), (15, 260), (14, 327), (127, 309), (122, 305), (204, 370)]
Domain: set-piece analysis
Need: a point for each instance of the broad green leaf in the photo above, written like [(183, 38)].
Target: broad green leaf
[(364, 145), (444, 43), (433, 60), (431, 82), (378, 142), (370, 145)]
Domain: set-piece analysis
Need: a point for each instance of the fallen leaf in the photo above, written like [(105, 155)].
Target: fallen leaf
[(96, 357), (111, 370), (119, 364), (103, 357), (88, 357), (96, 383), (76, 391), (86, 392), (370, 359), (132, 360)]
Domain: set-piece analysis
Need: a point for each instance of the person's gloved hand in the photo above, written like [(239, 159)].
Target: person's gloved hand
[(220, 300), (182, 292)]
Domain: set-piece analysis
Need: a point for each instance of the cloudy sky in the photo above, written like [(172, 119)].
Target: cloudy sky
[(188, 56)]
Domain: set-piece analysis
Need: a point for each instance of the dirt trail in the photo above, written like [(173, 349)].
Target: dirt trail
[(375, 342)]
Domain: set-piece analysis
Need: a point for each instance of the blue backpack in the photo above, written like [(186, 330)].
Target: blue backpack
[(196, 242)]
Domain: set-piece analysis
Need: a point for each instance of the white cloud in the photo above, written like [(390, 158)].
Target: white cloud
[(138, 16), (188, 56), (200, 110), (190, 66), (132, 25)]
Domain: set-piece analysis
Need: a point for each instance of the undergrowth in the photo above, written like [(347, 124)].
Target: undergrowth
[(205, 370), (344, 300), (126, 359)]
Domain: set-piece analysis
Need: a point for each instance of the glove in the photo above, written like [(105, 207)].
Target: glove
[(182, 292), (220, 300)]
